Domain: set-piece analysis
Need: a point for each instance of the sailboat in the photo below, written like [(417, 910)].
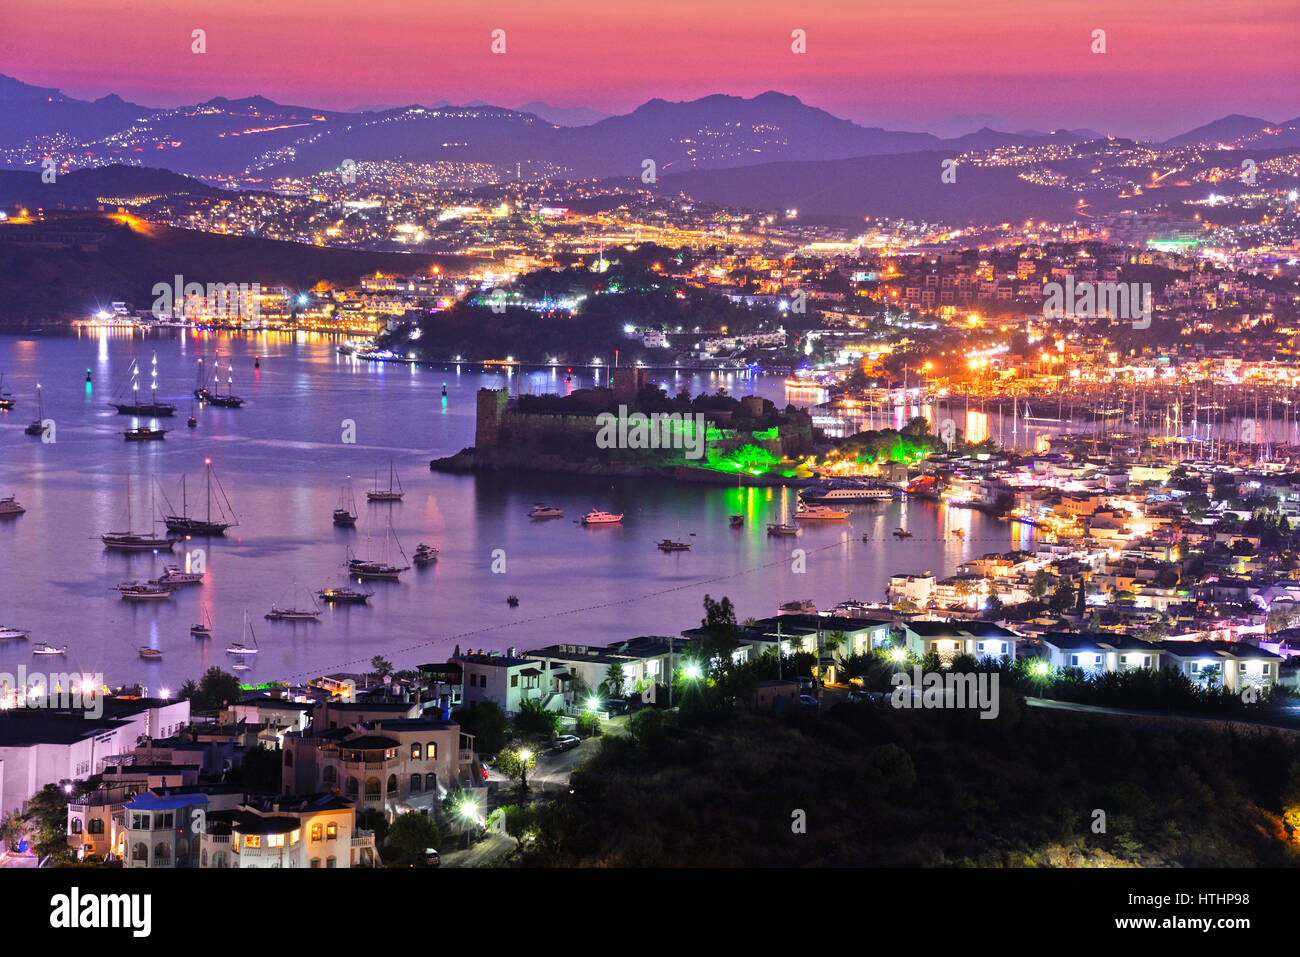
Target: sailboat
[(186, 525), (391, 494), (293, 613), (379, 570), (346, 514), (38, 424), (6, 399), (204, 627), (129, 541), (229, 400), (782, 529), (153, 407), (239, 648)]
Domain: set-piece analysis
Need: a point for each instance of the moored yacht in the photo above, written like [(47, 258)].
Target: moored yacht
[(144, 591), (344, 596), (545, 511), (820, 513), (45, 649), (10, 506), (425, 554), (597, 517), (782, 529), (17, 633), (175, 575), (846, 492)]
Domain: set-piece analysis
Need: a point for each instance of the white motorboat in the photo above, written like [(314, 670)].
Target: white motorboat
[(545, 511), (146, 591), (10, 506), (820, 513), (175, 575), (597, 517), (16, 633), (44, 649)]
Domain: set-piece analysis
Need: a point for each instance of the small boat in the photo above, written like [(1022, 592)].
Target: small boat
[(44, 649), (820, 513), (378, 571), (7, 399), (425, 554), (866, 537), (175, 575), (240, 666), (130, 541), (394, 491), (292, 614), (344, 596), (346, 514), (150, 654), (959, 532), (192, 422), (10, 506), (37, 426), (444, 388), (186, 524), (17, 633), (668, 545), (782, 529), (241, 649), (512, 601), (145, 434), (902, 533), (737, 521), (214, 395), (151, 409), (545, 511), (148, 591), (597, 517), (127, 542), (204, 628)]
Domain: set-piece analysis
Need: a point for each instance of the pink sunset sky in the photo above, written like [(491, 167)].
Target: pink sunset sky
[(949, 65)]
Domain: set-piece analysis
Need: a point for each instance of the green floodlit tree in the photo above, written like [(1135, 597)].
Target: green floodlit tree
[(515, 763)]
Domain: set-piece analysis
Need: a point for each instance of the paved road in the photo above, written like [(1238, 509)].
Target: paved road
[(486, 853)]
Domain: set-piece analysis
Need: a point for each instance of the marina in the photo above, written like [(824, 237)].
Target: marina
[(75, 489)]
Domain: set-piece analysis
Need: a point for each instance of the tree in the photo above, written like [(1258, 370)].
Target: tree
[(487, 722), (381, 666), (614, 680), (516, 763), (12, 829), (532, 718), (259, 772), (588, 725), (411, 835), (520, 821), (1039, 586), (215, 690), (46, 815)]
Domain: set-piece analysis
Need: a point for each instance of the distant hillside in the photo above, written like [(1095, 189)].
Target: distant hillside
[(41, 284), (92, 187), (257, 136), (844, 191)]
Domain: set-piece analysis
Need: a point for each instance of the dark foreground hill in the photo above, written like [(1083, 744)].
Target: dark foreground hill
[(67, 266)]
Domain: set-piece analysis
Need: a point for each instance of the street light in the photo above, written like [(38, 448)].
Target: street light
[(593, 703), (525, 756), (692, 671)]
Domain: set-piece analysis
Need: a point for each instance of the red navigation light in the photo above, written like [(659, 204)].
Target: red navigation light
[(207, 461)]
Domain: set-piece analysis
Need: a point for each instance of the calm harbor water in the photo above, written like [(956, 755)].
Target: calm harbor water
[(282, 461)]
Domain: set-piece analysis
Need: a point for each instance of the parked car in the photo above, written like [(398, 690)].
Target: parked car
[(806, 684), (431, 857), (616, 706), (809, 702), (566, 742), (862, 694)]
